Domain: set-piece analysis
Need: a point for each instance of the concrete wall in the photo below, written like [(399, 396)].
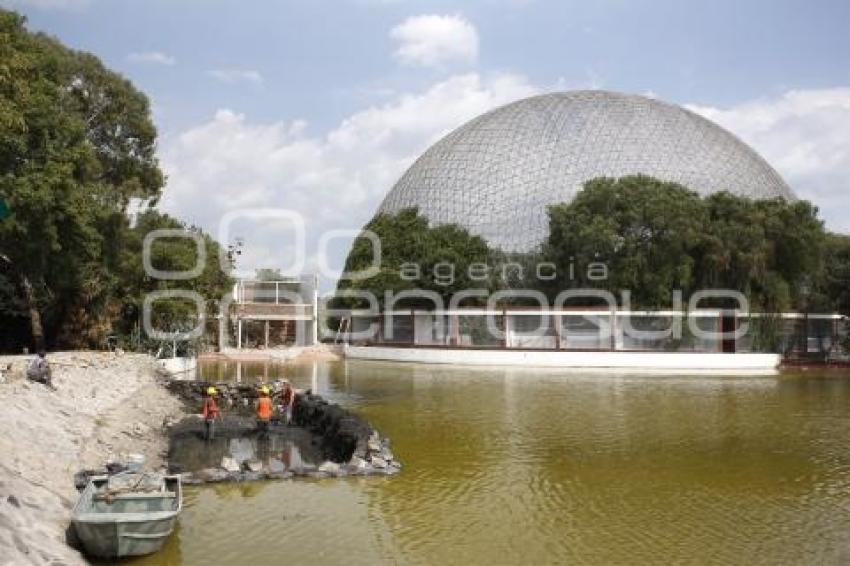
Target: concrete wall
[(678, 361)]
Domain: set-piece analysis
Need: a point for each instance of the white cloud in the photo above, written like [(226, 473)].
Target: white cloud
[(333, 181), (805, 135), (432, 40), (236, 75), (153, 57), (48, 5)]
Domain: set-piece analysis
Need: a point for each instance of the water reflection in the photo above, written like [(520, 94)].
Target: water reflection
[(311, 376), (291, 448)]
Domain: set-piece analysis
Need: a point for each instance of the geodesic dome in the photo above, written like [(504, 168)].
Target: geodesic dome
[(496, 174)]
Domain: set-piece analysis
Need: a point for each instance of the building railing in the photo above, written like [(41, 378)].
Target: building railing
[(703, 330), (281, 291), (261, 310)]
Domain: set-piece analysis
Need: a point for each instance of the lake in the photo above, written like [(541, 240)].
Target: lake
[(508, 466)]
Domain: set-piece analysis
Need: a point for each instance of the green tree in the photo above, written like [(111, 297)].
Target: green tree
[(834, 284), (415, 255), (166, 254), (268, 274), (656, 236), (763, 248), (76, 144), (643, 229)]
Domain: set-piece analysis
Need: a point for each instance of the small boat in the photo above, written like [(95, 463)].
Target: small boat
[(127, 514)]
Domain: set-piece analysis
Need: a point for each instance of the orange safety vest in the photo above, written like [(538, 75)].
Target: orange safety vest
[(210, 409), (264, 409)]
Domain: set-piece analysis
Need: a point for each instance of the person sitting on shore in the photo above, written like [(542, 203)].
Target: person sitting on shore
[(39, 370), (287, 400), (264, 411), (210, 412)]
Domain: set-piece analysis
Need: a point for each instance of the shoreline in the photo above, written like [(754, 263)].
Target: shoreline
[(297, 354), (105, 405)]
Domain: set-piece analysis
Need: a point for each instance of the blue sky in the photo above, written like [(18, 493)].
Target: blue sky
[(258, 103), (322, 60)]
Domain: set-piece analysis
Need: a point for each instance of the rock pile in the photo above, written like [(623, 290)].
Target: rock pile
[(377, 456), (347, 443), (234, 397), (343, 433), (376, 460)]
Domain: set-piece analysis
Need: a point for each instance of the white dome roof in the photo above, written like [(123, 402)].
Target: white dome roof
[(496, 174)]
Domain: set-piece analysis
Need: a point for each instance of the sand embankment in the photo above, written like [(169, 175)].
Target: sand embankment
[(104, 405)]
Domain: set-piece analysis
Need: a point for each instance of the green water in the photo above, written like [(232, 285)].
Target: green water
[(535, 467)]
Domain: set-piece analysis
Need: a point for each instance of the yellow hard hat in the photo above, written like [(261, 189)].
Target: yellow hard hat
[(211, 391), (264, 390)]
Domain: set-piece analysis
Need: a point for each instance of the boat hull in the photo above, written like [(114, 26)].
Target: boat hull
[(120, 539), (131, 523)]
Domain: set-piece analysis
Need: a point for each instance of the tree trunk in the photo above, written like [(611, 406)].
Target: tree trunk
[(35, 316)]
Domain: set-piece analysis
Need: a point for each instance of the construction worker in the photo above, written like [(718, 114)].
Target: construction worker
[(264, 411), (287, 400), (39, 370), (210, 412)]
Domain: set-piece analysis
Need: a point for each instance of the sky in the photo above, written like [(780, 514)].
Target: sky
[(287, 116)]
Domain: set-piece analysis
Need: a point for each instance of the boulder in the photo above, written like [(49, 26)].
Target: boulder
[(378, 463), (253, 465), (230, 465), (209, 475), (329, 467)]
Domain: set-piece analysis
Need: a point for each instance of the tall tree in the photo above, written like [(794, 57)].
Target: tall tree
[(656, 237), (835, 281), (76, 145), (415, 255), (132, 284), (643, 229)]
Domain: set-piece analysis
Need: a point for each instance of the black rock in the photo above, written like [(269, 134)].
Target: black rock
[(115, 468), (81, 478)]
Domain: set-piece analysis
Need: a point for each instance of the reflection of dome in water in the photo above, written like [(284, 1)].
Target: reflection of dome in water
[(496, 174)]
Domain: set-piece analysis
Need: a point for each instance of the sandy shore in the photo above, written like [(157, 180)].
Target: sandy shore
[(319, 352), (105, 405)]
